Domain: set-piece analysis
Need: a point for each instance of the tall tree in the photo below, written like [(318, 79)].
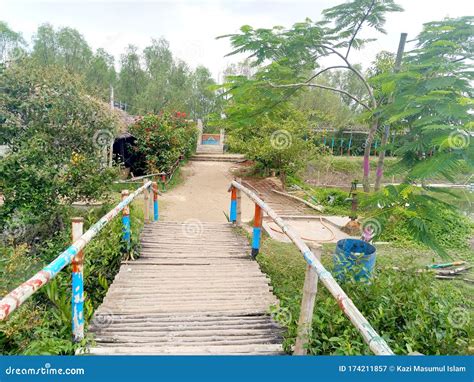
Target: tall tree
[(203, 100), (132, 77), (295, 52), (45, 46), (432, 101), (101, 73), (12, 43)]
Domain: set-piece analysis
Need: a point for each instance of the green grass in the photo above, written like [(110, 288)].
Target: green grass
[(411, 310), (352, 168)]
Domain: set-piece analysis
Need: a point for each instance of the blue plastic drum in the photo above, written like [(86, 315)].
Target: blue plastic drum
[(354, 259)]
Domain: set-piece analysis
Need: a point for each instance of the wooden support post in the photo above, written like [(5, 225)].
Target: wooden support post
[(146, 203), (239, 205), (257, 230), (77, 301), (233, 205), (307, 307), (126, 221), (163, 180), (156, 215)]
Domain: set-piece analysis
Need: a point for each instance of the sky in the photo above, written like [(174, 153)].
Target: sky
[(191, 27)]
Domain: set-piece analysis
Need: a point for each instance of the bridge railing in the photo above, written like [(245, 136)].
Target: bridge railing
[(314, 271), (74, 255)]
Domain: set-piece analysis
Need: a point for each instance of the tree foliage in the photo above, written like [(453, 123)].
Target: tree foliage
[(12, 43), (162, 139), (50, 126), (432, 101), (294, 54), (150, 80)]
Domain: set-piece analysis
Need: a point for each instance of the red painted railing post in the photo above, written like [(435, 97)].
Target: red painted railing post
[(156, 215), (233, 205), (257, 230)]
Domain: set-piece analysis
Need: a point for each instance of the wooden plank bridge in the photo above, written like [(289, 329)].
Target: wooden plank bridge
[(194, 290)]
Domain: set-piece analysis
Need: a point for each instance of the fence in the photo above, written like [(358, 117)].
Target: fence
[(314, 271), (74, 255)]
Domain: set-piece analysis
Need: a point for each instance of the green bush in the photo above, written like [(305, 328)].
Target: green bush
[(412, 311), (282, 146), (453, 231), (55, 133), (162, 139), (43, 324)]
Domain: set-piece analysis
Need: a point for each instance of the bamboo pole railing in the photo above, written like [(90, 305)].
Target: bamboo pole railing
[(73, 254), (315, 271)]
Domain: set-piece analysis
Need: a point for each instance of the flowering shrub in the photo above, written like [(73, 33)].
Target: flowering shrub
[(160, 140)]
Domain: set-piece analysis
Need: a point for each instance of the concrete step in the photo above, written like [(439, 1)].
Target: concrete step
[(208, 157)]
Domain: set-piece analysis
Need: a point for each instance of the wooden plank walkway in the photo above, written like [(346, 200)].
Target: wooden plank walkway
[(194, 290), (281, 204)]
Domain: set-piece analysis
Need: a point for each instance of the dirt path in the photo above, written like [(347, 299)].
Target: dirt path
[(203, 194)]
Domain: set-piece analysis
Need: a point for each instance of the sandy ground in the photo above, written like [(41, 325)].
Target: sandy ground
[(203, 194)]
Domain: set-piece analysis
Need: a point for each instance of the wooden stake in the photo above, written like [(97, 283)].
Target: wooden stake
[(305, 321)]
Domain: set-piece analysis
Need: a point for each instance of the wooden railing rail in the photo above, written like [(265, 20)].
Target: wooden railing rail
[(314, 271), (74, 255)]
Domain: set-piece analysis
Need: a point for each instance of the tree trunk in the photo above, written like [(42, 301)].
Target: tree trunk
[(368, 144), (380, 163), (386, 135)]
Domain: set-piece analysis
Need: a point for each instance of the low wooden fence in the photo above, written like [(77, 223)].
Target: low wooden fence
[(315, 271), (74, 255)]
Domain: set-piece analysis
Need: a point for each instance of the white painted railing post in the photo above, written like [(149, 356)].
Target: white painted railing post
[(126, 221), (146, 203), (238, 222), (305, 321)]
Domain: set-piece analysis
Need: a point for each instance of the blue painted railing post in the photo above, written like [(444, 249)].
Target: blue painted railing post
[(77, 301), (233, 205), (126, 221), (257, 230), (156, 214)]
